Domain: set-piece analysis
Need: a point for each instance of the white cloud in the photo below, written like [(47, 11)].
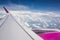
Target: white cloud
[(36, 13), (23, 9)]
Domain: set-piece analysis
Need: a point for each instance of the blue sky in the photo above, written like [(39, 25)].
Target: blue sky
[(43, 5)]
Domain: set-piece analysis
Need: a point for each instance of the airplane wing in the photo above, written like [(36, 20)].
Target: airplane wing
[(12, 30)]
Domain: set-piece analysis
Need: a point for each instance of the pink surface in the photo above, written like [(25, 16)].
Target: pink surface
[(50, 36)]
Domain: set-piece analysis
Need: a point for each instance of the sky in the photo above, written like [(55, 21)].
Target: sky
[(41, 5)]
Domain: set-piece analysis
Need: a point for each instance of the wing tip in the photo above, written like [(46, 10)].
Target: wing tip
[(5, 9)]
